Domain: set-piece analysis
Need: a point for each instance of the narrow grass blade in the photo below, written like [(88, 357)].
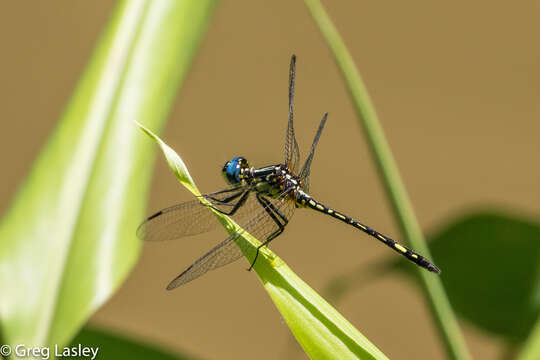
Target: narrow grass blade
[(318, 327), (403, 210)]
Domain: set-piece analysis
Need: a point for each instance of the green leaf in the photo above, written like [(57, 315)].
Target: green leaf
[(493, 271), (531, 348), (492, 278), (68, 240), (113, 346), (319, 328)]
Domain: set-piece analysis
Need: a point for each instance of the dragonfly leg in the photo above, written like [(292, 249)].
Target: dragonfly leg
[(236, 206), (222, 191), (227, 200), (272, 211)]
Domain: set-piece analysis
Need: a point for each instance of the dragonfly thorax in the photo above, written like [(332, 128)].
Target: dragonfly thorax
[(274, 180)]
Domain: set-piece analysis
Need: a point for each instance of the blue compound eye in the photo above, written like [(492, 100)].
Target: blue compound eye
[(232, 168)]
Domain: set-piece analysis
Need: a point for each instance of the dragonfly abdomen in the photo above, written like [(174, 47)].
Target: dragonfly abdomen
[(394, 245)]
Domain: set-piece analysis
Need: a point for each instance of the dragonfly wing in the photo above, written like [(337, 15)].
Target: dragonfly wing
[(189, 218), (261, 226), (304, 173), (292, 153), (223, 254)]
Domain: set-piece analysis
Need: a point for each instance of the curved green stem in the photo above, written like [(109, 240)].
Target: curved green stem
[(403, 211)]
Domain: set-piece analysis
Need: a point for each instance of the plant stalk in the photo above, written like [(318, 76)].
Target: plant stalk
[(395, 189)]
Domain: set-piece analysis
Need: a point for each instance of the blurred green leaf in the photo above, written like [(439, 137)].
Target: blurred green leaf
[(531, 347), (322, 332), (113, 346), (68, 240), (491, 271)]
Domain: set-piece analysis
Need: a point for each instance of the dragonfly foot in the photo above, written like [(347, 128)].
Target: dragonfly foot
[(254, 260)]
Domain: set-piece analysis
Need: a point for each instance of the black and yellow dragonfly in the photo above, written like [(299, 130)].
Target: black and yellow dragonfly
[(261, 200)]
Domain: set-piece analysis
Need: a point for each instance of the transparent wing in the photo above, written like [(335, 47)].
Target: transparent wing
[(292, 153), (260, 226), (192, 217), (306, 168)]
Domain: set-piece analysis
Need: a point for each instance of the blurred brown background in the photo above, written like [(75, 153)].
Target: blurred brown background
[(455, 84)]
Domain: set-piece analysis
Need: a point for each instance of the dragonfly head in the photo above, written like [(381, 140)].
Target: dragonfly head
[(233, 169)]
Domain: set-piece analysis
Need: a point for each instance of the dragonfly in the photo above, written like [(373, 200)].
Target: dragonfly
[(261, 200)]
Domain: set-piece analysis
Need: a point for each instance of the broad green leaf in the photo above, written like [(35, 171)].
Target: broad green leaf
[(112, 346), (68, 240), (491, 265), (319, 328)]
